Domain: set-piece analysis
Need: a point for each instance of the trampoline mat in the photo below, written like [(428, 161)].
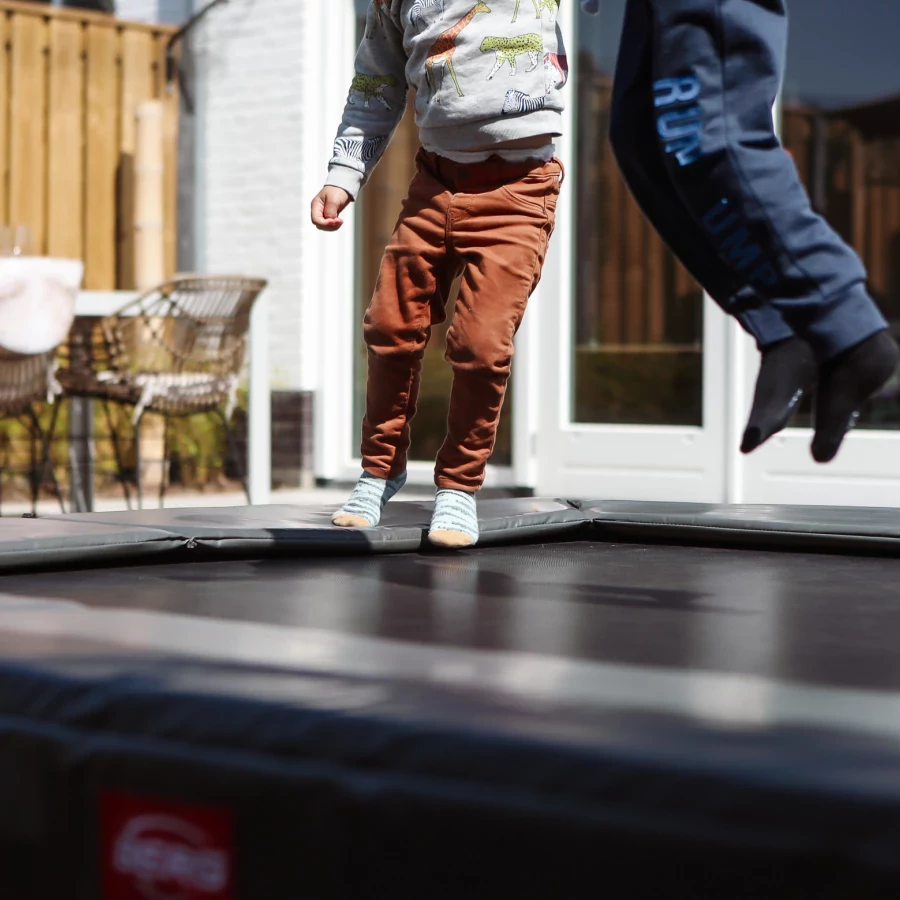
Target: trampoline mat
[(541, 719)]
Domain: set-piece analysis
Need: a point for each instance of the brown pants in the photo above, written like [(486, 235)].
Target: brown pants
[(489, 223)]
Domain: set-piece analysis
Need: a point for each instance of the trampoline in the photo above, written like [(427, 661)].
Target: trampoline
[(645, 700)]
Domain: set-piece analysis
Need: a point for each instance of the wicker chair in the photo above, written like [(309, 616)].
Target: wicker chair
[(37, 308), (25, 381), (176, 351)]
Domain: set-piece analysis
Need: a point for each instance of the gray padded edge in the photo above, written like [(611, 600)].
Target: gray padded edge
[(98, 538), (89, 538), (51, 542), (402, 528), (821, 527)]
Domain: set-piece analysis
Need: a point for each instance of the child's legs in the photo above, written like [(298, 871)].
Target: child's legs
[(501, 234), (633, 138), (717, 69), (412, 287)]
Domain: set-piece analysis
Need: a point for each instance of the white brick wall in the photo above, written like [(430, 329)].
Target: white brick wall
[(252, 212), (253, 209)]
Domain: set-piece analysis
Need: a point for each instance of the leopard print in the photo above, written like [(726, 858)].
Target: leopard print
[(508, 49), (371, 86)]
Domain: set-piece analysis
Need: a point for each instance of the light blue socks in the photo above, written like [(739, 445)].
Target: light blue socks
[(363, 509), (454, 522)]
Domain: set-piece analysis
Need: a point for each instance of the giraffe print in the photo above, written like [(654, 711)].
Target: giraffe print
[(539, 6), (440, 55)]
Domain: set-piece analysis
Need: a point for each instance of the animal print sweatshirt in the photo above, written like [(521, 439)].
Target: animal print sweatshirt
[(484, 72)]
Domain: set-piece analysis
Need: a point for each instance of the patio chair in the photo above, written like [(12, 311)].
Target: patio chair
[(37, 308), (25, 381), (177, 351)]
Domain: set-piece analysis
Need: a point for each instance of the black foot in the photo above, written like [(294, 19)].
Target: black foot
[(845, 384), (787, 372)]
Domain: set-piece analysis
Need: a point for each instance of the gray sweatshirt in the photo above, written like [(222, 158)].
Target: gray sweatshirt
[(484, 71)]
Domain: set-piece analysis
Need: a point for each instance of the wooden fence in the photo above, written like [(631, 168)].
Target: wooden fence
[(70, 82), (854, 180)]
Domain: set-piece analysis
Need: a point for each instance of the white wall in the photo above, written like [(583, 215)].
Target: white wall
[(171, 12), (138, 10), (252, 204), (252, 210)]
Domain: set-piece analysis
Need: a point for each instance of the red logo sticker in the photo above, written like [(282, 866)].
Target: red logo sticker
[(155, 850)]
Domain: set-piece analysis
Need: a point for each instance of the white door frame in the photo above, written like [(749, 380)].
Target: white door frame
[(328, 259)]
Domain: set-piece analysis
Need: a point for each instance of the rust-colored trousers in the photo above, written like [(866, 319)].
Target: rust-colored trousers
[(490, 223)]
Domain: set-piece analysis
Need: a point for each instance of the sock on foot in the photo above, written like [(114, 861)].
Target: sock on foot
[(787, 372), (363, 509), (845, 384), (454, 523)]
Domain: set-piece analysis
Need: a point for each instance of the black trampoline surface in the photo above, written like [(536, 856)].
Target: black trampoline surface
[(823, 620), (645, 690)]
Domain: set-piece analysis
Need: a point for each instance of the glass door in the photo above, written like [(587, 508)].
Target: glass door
[(840, 120), (634, 389)]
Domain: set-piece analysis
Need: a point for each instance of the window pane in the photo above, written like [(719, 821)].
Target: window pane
[(841, 124), (638, 316)]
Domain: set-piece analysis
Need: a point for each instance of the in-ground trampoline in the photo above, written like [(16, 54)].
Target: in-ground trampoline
[(620, 699)]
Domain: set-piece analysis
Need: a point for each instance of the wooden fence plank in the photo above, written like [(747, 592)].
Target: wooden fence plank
[(656, 286), (891, 231), (138, 49), (876, 221), (65, 170), (631, 291), (609, 327), (28, 136), (170, 181), (102, 157), (858, 159), (4, 120), (83, 16), (170, 157)]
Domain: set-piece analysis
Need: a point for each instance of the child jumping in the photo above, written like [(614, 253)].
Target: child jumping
[(692, 129), (488, 78)]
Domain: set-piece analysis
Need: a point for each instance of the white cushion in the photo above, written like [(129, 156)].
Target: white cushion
[(37, 301)]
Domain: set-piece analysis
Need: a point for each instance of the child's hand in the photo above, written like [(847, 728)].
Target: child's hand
[(327, 207)]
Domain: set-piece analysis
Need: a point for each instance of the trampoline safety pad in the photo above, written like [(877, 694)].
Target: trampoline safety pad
[(653, 700), (97, 538)]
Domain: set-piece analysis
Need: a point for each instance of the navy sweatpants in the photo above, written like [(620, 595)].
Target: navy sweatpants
[(693, 134)]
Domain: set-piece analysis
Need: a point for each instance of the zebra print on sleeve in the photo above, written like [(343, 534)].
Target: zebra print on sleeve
[(357, 152)]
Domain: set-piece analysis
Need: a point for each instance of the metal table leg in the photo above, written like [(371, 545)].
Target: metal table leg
[(81, 453)]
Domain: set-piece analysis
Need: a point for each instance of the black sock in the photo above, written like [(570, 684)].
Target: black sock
[(786, 373), (845, 384)]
